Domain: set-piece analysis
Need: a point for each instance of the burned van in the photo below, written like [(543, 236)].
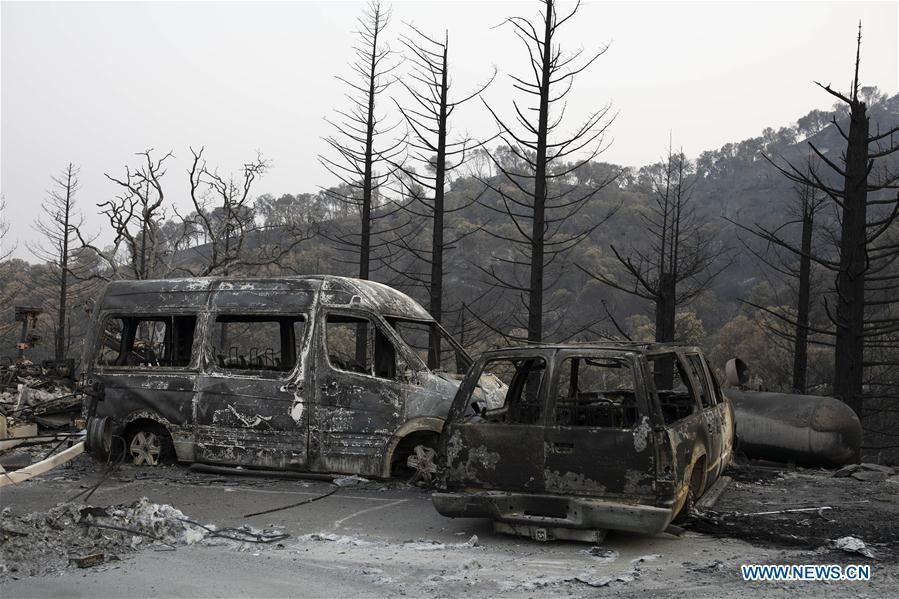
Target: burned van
[(588, 438), (317, 374)]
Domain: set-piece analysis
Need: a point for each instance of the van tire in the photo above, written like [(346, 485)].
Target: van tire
[(415, 459), (98, 438), (148, 444)]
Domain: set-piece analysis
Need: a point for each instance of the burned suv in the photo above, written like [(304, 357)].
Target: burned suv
[(589, 438), (318, 373)]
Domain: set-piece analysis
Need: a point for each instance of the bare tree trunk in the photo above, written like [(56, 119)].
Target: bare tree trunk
[(64, 266), (800, 349), (850, 284), (538, 231), (58, 223), (666, 306), (436, 289), (365, 240)]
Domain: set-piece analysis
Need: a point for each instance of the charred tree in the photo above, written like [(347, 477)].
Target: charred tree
[(57, 226), (134, 216), (224, 223), (432, 160), (795, 268), (809, 205), (533, 193), (682, 256), (361, 154), (860, 185)]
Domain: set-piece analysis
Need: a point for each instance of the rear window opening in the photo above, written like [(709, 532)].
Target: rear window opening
[(257, 342), (596, 392), (147, 341)]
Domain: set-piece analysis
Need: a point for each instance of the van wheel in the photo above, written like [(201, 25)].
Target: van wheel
[(415, 459), (149, 446), (423, 463)]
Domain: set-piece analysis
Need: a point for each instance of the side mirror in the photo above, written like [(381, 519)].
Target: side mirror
[(736, 373)]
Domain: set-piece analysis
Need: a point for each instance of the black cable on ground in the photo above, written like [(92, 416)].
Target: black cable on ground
[(47, 437), (298, 504), (110, 468), (55, 449), (255, 537), (212, 469)]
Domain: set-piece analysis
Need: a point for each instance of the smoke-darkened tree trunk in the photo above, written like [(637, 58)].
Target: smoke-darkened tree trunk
[(804, 291), (357, 143), (679, 257), (427, 117), (849, 317), (57, 226), (864, 296), (533, 193)]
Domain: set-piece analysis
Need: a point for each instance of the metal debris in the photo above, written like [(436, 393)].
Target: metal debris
[(853, 545)]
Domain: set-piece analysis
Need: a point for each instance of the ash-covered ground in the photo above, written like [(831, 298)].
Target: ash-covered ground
[(169, 531)]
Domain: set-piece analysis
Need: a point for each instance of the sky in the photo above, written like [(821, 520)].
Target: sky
[(94, 83)]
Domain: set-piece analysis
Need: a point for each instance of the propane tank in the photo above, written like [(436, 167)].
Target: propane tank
[(806, 429)]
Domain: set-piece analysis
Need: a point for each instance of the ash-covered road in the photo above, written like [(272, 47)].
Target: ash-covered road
[(374, 539)]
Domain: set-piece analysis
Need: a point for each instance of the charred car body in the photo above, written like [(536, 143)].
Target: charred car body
[(589, 438), (315, 374)]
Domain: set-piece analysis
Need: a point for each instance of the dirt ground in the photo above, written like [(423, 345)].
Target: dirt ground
[(375, 539)]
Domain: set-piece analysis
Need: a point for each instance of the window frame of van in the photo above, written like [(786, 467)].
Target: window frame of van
[(455, 344), (399, 346), (195, 346), (644, 406), (212, 366)]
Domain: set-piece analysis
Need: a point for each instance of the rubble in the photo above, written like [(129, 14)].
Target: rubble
[(37, 407), (429, 545), (866, 472), (349, 481), (86, 536)]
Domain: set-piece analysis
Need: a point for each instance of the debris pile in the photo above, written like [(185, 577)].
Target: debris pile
[(84, 536), (866, 472), (43, 395)]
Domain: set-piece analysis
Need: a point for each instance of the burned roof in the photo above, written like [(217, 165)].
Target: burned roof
[(639, 347), (286, 292)]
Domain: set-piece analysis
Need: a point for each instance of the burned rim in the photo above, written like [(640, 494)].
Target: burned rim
[(423, 463), (415, 459), (149, 444)]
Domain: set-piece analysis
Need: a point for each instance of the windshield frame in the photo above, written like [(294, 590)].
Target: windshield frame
[(459, 350)]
